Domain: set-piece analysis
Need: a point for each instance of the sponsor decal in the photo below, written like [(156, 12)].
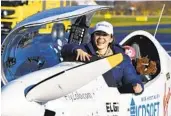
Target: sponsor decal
[(79, 96), (149, 106), (103, 25), (112, 108), (166, 99)]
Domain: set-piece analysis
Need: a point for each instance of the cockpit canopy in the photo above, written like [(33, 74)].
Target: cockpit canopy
[(36, 42)]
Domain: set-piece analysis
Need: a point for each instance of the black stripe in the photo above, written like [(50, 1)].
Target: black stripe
[(27, 91)]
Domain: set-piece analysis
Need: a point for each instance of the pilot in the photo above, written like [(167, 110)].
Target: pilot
[(103, 44)]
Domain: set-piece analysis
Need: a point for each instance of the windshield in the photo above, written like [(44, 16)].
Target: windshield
[(14, 3), (29, 50)]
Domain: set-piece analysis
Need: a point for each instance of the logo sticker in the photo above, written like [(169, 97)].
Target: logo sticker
[(149, 106), (112, 107)]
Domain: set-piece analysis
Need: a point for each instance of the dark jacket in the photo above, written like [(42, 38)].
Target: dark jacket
[(124, 75)]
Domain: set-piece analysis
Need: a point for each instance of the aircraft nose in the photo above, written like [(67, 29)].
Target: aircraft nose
[(14, 103)]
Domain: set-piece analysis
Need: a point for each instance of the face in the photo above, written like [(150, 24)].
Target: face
[(102, 40)]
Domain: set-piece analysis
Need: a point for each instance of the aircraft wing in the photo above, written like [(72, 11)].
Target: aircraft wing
[(70, 80)]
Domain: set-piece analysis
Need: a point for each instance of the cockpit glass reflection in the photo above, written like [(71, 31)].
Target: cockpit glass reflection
[(31, 49)]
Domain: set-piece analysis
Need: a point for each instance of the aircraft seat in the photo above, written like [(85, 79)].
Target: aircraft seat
[(58, 36)]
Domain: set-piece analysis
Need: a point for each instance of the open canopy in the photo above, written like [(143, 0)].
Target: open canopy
[(58, 14), (24, 50)]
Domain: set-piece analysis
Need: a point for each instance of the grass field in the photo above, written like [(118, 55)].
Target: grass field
[(131, 20), (122, 21)]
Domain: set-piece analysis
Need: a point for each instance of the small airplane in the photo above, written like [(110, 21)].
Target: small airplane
[(37, 82)]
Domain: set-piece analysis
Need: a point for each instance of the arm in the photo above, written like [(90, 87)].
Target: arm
[(68, 52), (69, 49), (75, 52), (130, 76)]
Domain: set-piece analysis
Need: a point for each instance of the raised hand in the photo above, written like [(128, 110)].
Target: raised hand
[(137, 88), (82, 55)]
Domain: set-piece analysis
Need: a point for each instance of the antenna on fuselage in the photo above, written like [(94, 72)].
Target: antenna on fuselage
[(159, 20)]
